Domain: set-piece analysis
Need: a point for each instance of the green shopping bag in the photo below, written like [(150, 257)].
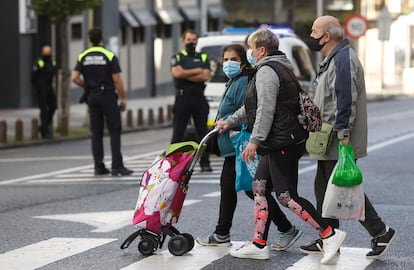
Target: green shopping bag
[(347, 173)]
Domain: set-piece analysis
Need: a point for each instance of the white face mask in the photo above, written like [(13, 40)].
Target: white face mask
[(231, 69), (250, 57)]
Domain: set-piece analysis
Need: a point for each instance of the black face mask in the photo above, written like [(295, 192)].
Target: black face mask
[(313, 43), (190, 47), (47, 58)]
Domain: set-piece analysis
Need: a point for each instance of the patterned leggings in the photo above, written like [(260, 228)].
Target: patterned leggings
[(281, 167)]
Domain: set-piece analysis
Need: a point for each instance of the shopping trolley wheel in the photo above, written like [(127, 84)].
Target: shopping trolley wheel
[(178, 245), (190, 241), (147, 246)]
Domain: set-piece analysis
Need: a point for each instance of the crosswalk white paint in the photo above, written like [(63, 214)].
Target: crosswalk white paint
[(103, 221), (195, 259), (27, 179), (201, 256), (350, 259), (48, 251), (51, 250)]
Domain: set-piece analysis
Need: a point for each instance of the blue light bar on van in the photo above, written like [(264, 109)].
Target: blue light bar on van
[(238, 30), (282, 30)]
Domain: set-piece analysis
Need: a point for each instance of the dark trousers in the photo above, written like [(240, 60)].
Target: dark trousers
[(184, 108), (373, 223), (103, 107), (46, 100), (228, 202), (281, 166)]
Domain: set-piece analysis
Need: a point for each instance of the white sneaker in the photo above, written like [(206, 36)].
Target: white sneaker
[(251, 251), (331, 245)]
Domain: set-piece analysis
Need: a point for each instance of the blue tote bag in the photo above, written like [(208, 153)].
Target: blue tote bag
[(245, 171)]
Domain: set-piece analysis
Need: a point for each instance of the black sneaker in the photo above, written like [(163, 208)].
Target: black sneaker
[(315, 248), (101, 171), (206, 168), (121, 171), (381, 243)]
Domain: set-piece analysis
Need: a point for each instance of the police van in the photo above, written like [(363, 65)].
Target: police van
[(294, 48)]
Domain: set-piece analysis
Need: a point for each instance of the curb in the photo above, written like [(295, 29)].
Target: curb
[(57, 140)]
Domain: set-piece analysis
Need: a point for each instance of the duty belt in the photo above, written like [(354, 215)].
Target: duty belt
[(189, 92), (102, 88)]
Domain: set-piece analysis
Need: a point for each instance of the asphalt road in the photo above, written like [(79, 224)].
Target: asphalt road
[(54, 214)]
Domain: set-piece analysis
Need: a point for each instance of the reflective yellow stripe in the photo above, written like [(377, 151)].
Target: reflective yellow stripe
[(203, 57), (110, 55), (185, 53), (41, 63)]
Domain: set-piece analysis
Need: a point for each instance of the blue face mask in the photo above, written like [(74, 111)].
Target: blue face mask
[(231, 69), (250, 58)]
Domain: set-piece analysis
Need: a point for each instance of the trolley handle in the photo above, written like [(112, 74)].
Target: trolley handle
[(200, 147)]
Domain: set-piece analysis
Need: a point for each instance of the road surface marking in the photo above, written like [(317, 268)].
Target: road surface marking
[(48, 251), (201, 256), (54, 173), (196, 174), (197, 258), (49, 158), (212, 194), (350, 259), (103, 221)]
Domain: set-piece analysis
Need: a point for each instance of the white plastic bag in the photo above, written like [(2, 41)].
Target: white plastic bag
[(343, 202)]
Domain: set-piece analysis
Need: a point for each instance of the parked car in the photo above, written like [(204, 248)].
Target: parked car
[(294, 48)]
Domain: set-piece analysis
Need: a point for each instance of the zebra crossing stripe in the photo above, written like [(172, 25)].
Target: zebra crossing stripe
[(48, 251), (197, 258), (350, 258)]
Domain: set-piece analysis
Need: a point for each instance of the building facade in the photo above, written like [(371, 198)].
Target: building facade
[(143, 33)]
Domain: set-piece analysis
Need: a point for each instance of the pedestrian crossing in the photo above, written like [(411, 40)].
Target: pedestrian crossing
[(139, 164), (51, 250), (55, 249)]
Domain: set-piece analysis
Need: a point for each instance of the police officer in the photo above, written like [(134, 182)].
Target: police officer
[(190, 71), (44, 70), (101, 80)]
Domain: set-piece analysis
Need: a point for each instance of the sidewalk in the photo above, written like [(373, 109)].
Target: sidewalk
[(78, 116)]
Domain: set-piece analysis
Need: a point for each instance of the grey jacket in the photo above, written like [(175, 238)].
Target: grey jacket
[(267, 85), (341, 97)]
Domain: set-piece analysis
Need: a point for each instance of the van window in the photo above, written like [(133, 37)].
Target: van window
[(302, 57), (214, 54)]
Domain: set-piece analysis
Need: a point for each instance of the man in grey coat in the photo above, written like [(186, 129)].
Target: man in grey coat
[(341, 97)]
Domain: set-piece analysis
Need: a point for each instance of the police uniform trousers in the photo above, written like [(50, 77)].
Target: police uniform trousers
[(103, 106), (46, 100), (186, 106)]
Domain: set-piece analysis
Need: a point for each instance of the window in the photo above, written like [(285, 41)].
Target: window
[(303, 60), (76, 31), (214, 54)]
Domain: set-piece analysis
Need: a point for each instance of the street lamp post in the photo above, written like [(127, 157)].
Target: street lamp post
[(384, 25)]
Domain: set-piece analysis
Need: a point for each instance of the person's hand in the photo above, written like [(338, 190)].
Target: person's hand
[(122, 106), (249, 152), (223, 125), (345, 141)]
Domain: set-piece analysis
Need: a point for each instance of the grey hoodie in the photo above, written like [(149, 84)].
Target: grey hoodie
[(267, 85)]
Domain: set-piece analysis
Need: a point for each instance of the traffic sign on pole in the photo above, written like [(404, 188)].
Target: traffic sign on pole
[(355, 26)]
